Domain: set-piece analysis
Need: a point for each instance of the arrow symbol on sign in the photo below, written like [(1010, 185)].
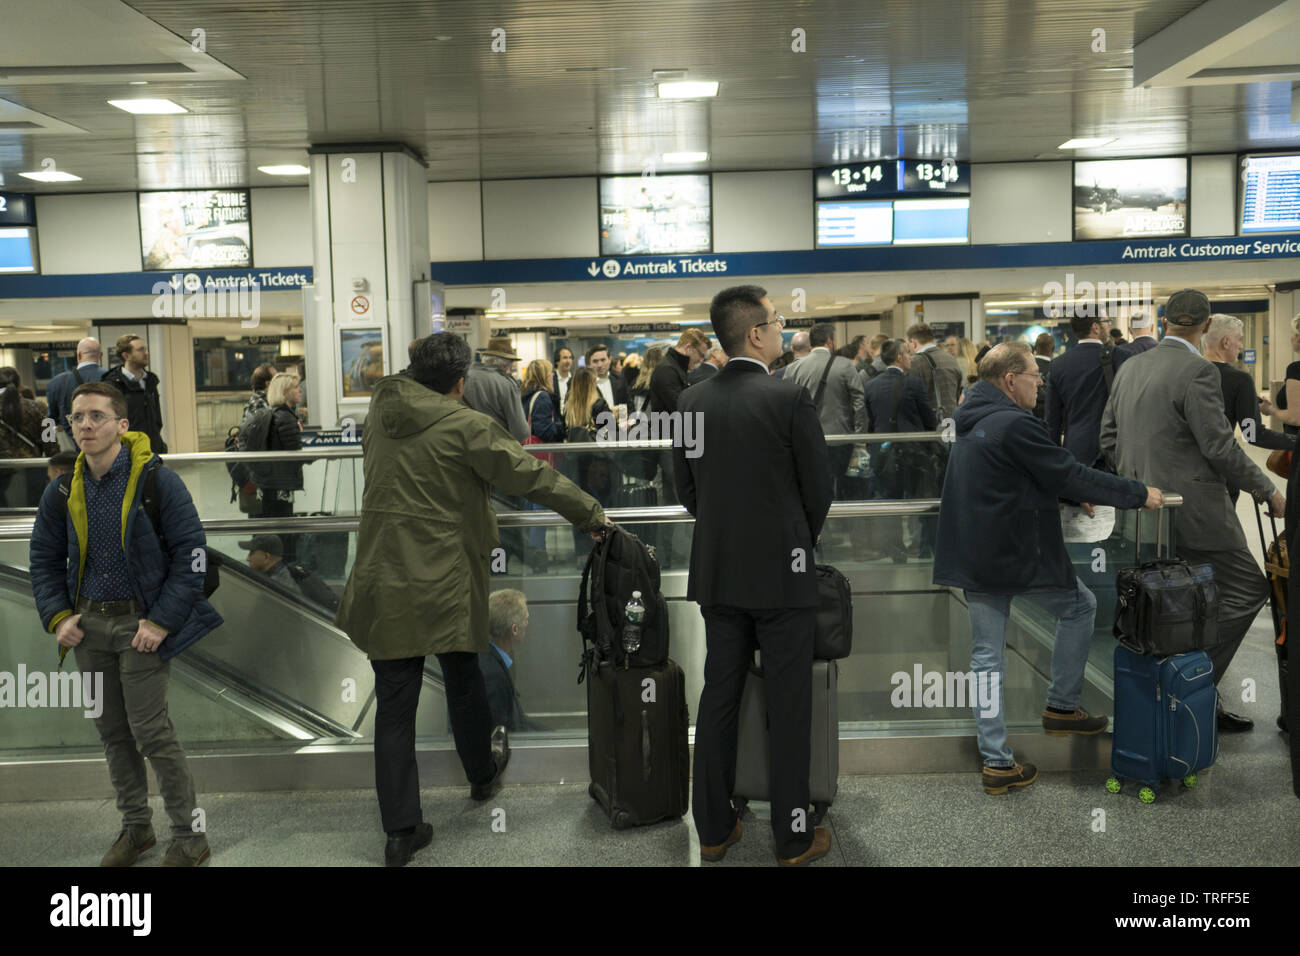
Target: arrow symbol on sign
[(593, 269)]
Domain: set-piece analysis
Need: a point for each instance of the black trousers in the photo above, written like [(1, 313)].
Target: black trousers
[(785, 638), (397, 692), (839, 456), (1243, 590)]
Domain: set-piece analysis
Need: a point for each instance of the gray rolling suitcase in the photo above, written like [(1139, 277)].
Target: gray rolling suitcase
[(752, 760)]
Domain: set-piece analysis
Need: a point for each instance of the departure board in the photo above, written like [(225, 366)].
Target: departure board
[(1270, 195)]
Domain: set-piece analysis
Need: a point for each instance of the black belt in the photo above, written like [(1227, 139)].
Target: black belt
[(108, 608)]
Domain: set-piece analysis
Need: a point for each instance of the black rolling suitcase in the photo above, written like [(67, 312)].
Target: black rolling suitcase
[(637, 721), (637, 746)]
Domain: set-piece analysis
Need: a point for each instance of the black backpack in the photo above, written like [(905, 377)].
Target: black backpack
[(313, 587), (251, 434), (153, 510), (617, 566)]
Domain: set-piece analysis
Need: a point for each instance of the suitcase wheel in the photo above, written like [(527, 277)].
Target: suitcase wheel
[(741, 805), (621, 820), (1113, 785), (819, 813), (591, 791), (1147, 795), (1189, 781)]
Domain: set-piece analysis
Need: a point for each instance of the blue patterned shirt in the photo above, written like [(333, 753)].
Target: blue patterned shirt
[(105, 577)]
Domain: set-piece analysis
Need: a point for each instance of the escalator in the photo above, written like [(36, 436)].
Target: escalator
[(276, 670)]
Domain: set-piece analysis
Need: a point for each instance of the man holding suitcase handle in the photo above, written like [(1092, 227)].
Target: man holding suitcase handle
[(759, 495), (1000, 531)]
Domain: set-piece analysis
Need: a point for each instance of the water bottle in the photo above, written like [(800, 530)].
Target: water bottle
[(635, 611)]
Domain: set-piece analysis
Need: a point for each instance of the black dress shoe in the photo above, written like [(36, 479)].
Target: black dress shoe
[(500, 758), (402, 846), (1233, 724)]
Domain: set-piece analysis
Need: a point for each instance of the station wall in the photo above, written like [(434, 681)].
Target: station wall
[(765, 211)]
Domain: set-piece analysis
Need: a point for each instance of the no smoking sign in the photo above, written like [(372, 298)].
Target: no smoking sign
[(360, 304)]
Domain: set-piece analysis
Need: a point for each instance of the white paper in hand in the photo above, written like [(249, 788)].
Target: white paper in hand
[(1077, 526)]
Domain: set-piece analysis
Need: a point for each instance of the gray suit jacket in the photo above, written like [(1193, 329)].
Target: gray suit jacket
[(943, 383), (843, 411), (495, 394), (1165, 426)]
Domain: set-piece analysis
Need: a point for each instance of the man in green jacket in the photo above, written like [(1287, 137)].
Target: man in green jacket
[(419, 585)]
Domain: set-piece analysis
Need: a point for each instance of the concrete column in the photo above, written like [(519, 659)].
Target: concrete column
[(370, 252)]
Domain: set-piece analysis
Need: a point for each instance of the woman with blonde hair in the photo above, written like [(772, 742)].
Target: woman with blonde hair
[(592, 471), (639, 392), (541, 407), (966, 353), (277, 481)]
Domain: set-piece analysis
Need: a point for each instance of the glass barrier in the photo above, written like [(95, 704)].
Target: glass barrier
[(279, 671)]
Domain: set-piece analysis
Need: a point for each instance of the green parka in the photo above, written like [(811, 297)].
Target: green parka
[(420, 582)]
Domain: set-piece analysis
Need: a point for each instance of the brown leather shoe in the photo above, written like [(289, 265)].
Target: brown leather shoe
[(1058, 725), (187, 852), (821, 845), (130, 844), (1001, 779), (712, 854)]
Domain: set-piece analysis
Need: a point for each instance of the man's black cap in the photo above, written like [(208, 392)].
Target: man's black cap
[(1188, 307), (270, 543)]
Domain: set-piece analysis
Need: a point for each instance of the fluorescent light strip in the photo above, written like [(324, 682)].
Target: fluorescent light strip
[(51, 176), (1087, 142), (687, 89), (144, 107)]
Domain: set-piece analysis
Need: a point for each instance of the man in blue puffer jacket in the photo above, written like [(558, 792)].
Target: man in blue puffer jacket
[(1000, 536), (105, 587)]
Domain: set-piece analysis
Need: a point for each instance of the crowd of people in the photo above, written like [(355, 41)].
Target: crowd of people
[(1117, 424)]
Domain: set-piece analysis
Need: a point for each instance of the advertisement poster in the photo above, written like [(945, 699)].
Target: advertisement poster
[(361, 358), (1130, 198), (655, 215), (199, 229)]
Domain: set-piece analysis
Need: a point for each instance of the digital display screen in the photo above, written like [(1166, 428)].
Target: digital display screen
[(857, 180), (199, 229), (17, 249), (655, 215), (17, 209), (855, 223), (930, 177), (1270, 194), (931, 221), (1130, 198)]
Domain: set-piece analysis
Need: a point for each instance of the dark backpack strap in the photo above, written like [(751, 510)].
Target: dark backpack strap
[(65, 491), (76, 373), (151, 503), (1107, 360), (821, 386)]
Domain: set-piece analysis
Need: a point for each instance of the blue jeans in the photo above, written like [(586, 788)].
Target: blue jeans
[(1075, 611)]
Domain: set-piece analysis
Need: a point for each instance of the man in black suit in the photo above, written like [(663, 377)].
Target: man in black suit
[(897, 402), (612, 388), (1077, 389), (759, 492)]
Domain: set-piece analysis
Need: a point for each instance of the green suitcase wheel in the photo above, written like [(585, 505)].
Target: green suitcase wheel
[(1147, 795), (1113, 785), (1189, 781)]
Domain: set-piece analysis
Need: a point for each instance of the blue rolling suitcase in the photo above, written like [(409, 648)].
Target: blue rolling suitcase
[(1165, 725)]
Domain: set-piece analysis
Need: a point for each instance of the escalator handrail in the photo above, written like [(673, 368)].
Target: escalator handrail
[(21, 529), (334, 452)]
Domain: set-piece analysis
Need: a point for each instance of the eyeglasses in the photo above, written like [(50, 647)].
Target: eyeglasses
[(1035, 373), (95, 418), (778, 321)]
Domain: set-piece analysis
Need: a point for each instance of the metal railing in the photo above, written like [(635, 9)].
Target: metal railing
[(20, 529)]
